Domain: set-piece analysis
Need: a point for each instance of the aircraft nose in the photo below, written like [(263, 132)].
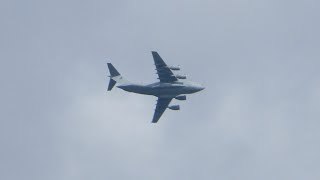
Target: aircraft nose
[(200, 88)]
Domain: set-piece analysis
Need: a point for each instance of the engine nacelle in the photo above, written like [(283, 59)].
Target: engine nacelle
[(174, 68), (174, 107), (181, 98), (181, 76)]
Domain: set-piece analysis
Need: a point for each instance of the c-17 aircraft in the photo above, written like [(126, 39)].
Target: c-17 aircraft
[(170, 86)]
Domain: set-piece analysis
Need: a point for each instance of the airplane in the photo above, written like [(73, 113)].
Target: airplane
[(171, 86)]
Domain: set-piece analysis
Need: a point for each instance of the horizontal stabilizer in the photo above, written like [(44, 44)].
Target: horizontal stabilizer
[(111, 84), (113, 71)]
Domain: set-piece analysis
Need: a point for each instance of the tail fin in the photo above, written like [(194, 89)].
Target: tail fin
[(115, 77)]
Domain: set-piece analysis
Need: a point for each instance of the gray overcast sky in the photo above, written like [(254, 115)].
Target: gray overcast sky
[(258, 117)]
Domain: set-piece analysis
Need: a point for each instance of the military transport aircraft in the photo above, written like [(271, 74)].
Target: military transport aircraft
[(170, 86)]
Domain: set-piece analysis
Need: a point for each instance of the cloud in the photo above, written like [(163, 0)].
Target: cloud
[(256, 119)]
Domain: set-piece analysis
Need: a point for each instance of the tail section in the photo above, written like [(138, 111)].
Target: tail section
[(115, 77)]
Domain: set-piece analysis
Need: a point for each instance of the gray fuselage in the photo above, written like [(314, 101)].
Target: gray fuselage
[(164, 90)]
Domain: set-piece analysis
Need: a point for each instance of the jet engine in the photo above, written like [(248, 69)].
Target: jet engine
[(181, 76), (174, 68), (181, 98), (174, 107)]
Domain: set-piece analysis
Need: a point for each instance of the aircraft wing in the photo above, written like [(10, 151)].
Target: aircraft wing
[(162, 105), (164, 73)]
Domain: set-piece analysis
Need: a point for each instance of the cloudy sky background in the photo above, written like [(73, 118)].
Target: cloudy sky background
[(258, 117)]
